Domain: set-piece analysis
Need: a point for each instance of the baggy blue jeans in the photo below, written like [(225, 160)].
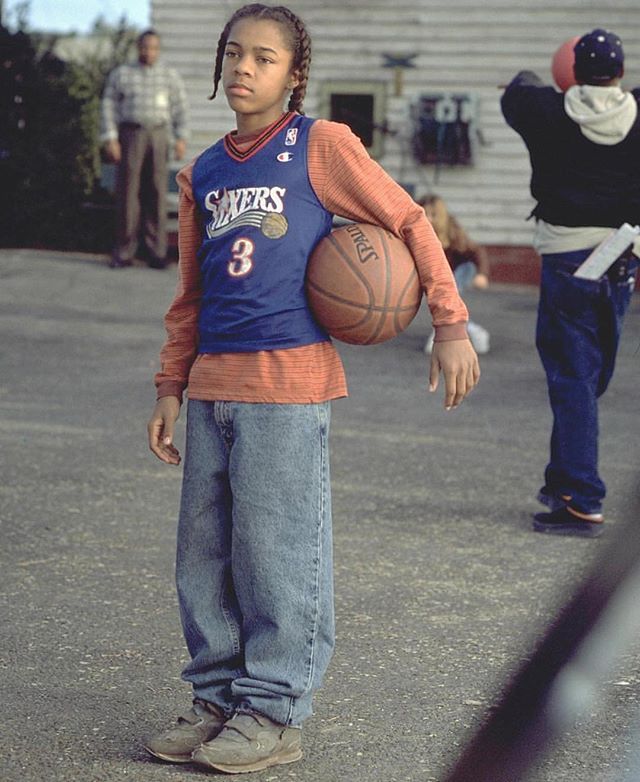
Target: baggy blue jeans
[(254, 556), (464, 274), (577, 336)]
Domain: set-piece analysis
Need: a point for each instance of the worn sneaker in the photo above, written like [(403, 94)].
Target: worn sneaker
[(250, 742), (551, 500), (563, 521), (202, 722)]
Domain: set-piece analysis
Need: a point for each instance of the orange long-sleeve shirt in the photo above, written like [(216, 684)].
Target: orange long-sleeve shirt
[(348, 183)]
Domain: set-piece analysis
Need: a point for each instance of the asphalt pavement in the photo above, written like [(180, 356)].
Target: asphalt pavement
[(442, 588)]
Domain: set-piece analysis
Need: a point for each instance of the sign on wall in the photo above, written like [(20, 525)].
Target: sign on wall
[(442, 129)]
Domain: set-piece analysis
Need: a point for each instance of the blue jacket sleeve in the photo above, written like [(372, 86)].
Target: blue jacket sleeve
[(518, 101)]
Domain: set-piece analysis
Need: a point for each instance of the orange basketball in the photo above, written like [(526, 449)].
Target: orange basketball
[(562, 64), (362, 284)]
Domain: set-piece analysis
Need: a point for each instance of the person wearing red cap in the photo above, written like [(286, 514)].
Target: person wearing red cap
[(584, 147)]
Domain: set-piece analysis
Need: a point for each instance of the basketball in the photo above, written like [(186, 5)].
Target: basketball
[(562, 64), (362, 284)]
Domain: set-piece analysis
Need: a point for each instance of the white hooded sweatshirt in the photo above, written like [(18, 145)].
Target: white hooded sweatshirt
[(605, 114)]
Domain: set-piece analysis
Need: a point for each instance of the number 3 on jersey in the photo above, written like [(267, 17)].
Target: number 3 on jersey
[(241, 261)]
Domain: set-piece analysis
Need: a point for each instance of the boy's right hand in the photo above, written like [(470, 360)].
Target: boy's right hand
[(161, 427)]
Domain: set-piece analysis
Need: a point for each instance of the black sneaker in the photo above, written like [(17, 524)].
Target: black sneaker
[(563, 522), (119, 263), (157, 263), (551, 500)]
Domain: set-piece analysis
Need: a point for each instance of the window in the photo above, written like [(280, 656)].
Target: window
[(361, 106)]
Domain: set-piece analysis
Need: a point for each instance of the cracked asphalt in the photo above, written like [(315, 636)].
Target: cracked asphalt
[(442, 589)]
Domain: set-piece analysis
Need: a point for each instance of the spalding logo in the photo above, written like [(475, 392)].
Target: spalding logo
[(285, 157), (364, 250)]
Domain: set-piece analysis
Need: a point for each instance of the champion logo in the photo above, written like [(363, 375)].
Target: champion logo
[(291, 137), (284, 157)]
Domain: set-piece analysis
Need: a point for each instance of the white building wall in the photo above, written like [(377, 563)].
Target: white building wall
[(461, 45)]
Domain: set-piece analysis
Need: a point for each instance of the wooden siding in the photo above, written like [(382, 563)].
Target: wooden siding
[(461, 46)]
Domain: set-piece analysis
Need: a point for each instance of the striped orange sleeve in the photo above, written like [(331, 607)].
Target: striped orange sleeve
[(308, 374), (350, 183), (181, 321)]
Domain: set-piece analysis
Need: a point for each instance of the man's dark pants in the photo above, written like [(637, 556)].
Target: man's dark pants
[(578, 331)]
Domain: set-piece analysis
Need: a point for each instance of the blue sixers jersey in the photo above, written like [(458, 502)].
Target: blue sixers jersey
[(261, 220)]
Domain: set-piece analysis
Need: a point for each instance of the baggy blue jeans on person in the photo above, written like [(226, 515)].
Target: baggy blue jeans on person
[(464, 274), (577, 336), (254, 557)]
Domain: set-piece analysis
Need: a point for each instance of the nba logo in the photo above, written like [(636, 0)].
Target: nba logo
[(291, 137)]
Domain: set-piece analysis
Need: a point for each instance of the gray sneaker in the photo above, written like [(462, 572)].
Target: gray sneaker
[(202, 722), (250, 742)]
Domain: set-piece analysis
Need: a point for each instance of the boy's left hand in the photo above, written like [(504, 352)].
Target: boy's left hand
[(458, 362)]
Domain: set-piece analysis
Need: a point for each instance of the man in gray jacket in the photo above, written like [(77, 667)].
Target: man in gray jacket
[(144, 106), (584, 147)]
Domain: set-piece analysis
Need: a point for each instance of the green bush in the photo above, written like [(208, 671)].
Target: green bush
[(49, 147)]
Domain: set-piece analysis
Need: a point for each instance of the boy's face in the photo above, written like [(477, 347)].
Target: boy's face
[(256, 72), (149, 50)]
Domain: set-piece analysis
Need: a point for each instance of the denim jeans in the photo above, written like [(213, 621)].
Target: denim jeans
[(464, 274), (254, 556), (578, 330)]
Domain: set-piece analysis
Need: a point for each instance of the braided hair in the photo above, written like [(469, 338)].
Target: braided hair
[(297, 37)]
